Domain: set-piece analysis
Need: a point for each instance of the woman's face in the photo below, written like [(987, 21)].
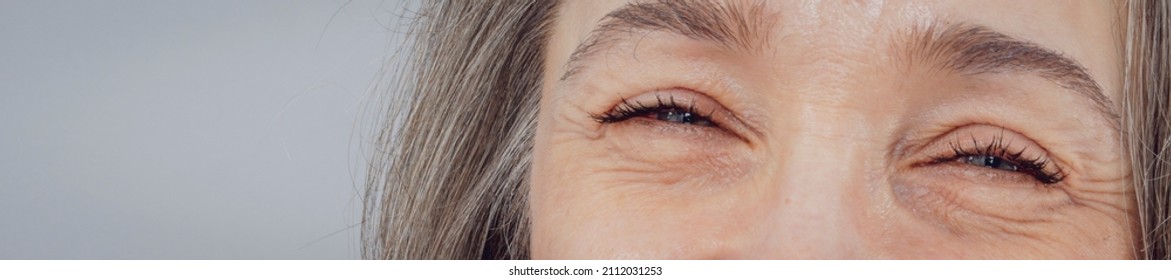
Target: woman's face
[(835, 129)]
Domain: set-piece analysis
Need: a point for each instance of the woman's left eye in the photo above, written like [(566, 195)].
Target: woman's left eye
[(997, 155)]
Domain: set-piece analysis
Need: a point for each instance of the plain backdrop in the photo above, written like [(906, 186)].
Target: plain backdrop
[(186, 129)]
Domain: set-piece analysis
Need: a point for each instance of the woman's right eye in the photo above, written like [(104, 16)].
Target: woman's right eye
[(990, 161), (676, 115), (667, 110)]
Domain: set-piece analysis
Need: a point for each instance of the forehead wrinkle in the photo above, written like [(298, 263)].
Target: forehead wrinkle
[(973, 50), (733, 25)]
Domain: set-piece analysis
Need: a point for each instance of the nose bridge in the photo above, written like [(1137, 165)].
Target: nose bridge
[(814, 184), (812, 188)]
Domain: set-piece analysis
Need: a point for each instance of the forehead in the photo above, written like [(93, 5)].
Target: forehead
[(1086, 31)]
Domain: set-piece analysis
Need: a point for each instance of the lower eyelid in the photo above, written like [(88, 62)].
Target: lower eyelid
[(984, 175), (668, 127), (967, 207)]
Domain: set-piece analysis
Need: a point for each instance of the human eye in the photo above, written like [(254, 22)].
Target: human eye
[(669, 135), (1009, 156), (982, 176), (677, 114), (665, 109)]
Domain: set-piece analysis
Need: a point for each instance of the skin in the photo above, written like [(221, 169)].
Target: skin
[(826, 145)]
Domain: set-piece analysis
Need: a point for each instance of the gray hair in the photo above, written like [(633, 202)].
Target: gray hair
[(1146, 110), (449, 177)]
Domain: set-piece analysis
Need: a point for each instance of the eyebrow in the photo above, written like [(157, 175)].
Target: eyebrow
[(734, 25), (955, 47), (974, 50)]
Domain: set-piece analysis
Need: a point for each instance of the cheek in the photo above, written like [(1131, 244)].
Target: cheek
[(619, 197), (964, 222)]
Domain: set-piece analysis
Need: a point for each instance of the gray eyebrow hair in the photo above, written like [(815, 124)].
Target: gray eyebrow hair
[(733, 25), (974, 49)]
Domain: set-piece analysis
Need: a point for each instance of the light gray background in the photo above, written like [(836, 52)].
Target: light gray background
[(186, 129)]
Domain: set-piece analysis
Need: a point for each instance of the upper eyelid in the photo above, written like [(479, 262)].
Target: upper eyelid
[(915, 149), (719, 114), (626, 105)]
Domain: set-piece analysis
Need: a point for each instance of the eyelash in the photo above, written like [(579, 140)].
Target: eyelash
[(626, 110), (1035, 167)]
